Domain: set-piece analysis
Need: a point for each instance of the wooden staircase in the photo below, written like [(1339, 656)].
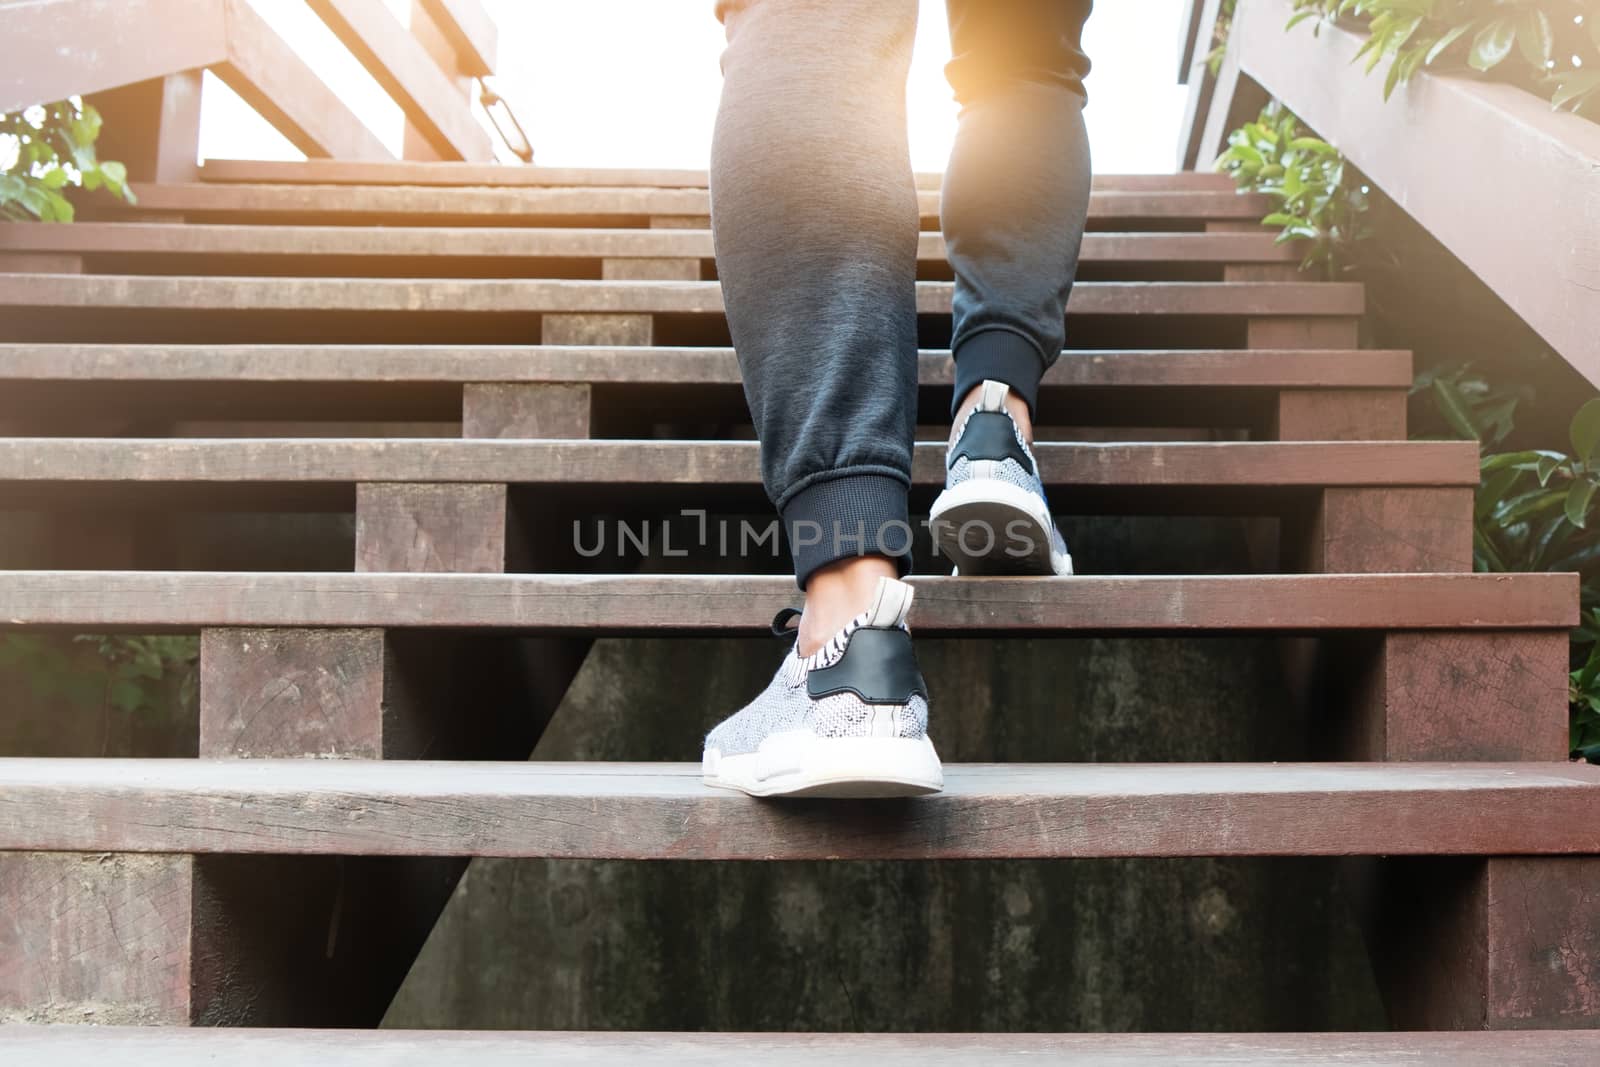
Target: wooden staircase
[(458, 363)]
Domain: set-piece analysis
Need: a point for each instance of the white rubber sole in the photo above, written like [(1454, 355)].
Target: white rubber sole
[(798, 763), (987, 526)]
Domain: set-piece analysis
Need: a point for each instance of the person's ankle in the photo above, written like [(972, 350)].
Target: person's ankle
[(1015, 405), (837, 593)]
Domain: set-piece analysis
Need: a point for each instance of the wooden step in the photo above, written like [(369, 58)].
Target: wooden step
[(346, 248), (340, 172), (1233, 474), (65, 388), (648, 365), (663, 811), (501, 205), (69, 1046), (137, 601), (511, 296)]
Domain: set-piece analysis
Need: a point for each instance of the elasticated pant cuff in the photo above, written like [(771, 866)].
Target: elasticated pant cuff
[(841, 518), (1003, 356)]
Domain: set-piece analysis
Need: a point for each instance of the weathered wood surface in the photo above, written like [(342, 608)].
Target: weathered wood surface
[(1179, 368), (456, 528), (1488, 169), (1358, 530), (663, 811), (470, 31), (94, 940), (330, 243), (400, 64), (119, 600), (89, 1046), (343, 172), (273, 79), (1299, 464), (1505, 943), (58, 48), (506, 204), (1261, 300)]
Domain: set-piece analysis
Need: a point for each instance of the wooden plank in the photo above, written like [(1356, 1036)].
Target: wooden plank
[(343, 172), (329, 244), (1302, 332), (506, 205), (1504, 943), (153, 127), (661, 811), (400, 64), (504, 410), (1171, 368), (146, 1047), (459, 528), (61, 48), (1503, 182), (596, 329), (1264, 301), (94, 939), (1390, 529), (1197, 104), (276, 82), (470, 30), (1340, 415), (153, 601), (1301, 464)]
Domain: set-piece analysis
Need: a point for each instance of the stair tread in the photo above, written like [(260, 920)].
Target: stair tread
[(1265, 368), (661, 811), (521, 296), (135, 1046), (507, 203), (327, 171), (1246, 464), (145, 601), (573, 242)]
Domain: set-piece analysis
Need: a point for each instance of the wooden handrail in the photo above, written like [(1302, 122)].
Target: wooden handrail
[(1201, 83), (141, 60), (405, 70), (1504, 183)]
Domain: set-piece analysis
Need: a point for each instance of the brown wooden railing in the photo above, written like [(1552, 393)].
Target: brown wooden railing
[(141, 63), (1506, 185)]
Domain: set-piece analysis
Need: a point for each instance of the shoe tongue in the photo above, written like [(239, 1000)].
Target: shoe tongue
[(993, 395), (890, 605)]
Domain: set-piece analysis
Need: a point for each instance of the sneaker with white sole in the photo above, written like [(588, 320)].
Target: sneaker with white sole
[(992, 517), (850, 720)]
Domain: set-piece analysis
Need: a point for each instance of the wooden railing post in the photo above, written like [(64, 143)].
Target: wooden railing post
[(153, 127)]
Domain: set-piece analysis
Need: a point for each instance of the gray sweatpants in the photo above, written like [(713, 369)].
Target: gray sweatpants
[(814, 213)]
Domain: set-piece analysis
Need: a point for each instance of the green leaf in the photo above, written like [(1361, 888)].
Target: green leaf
[(1454, 408), (1576, 84), (1578, 498), (1450, 38), (1585, 431), (1492, 45), (1535, 38)]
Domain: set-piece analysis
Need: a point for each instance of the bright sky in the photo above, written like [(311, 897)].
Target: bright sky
[(617, 83)]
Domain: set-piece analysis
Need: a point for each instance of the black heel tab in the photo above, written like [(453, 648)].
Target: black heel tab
[(990, 435), (878, 665)]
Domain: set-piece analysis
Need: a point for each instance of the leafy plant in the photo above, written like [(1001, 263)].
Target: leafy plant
[(1535, 511), (1320, 202), (153, 681), (1550, 46), (46, 148)]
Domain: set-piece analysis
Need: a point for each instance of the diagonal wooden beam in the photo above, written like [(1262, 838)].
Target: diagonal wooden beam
[(402, 66)]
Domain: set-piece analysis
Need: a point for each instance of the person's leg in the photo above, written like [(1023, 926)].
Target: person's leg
[(1014, 206), (1016, 192), (814, 214)]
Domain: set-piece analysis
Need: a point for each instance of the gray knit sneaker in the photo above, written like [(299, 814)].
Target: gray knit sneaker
[(992, 517), (850, 720)]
